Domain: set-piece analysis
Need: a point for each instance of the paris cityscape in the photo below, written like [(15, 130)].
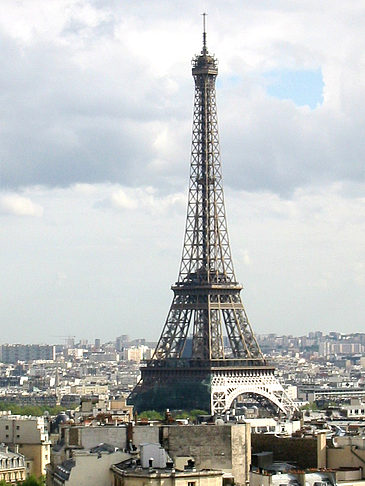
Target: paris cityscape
[(105, 382)]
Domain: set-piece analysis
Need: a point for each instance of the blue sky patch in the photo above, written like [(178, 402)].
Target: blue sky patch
[(304, 87)]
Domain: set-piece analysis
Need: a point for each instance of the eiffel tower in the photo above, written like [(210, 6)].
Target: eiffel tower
[(223, 359)]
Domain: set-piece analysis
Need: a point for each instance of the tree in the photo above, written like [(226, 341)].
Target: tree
[(151, 415), (34, 410), (33, 481)]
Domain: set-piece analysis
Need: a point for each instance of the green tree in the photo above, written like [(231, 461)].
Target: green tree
[(310, 406), (194, 413), (184, 414), (34, 410), (151, 415), (33, 481)]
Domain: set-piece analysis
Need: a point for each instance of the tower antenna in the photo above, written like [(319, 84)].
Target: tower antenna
[(204, 33)]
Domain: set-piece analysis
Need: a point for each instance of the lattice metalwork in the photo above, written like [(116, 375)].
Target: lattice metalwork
[(227, 386), (207, 296), (225, 360)]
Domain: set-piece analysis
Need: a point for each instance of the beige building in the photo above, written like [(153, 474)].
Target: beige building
[(344, 456), (86, 467), (334, 477), (265, 472), (355, 410), (346, 452), (129, 475), (120, 410), (106, 411), (90, 389), (292, 478), (217, 447), (12, 466), (30, 436)]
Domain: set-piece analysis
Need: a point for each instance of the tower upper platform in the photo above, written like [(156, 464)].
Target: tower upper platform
[(204, 63)]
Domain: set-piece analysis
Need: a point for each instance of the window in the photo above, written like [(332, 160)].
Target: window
[(17, 427), (7, 436), (6, 427), (18, 436), (191, 483)]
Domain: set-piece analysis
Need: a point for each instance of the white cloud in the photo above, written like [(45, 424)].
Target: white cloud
[(121, 200), (146, 199), (244, 257), (97, 92), (96, 113), (300, 260), (13, 204)]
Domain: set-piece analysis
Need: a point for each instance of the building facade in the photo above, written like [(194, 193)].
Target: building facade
[(30, 436), (12, 353), (12, 466)]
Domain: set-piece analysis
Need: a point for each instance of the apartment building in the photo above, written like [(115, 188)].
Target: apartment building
[(30, 436), (12, 353)]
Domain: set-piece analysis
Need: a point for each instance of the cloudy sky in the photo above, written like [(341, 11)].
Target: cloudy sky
[(95, 126)]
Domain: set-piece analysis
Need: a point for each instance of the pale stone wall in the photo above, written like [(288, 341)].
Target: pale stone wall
[(209, 445), (321, 450), (22, 430), (89, 437), (224, 447), (346, 457), (94, 469), (241, 452), (257, 479), (145, 433)]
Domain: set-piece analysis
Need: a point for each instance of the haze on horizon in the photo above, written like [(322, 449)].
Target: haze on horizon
[(95, 131)]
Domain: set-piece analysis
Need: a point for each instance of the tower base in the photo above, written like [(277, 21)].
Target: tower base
[(187, 384), (178, 394)]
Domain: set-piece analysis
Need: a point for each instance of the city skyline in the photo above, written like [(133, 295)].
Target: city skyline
[(95, 163)]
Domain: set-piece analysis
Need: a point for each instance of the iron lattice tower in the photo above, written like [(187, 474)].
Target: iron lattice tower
[(206, 295)]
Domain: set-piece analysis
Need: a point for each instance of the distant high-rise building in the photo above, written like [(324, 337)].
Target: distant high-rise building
[(121, 342), (12, 353)]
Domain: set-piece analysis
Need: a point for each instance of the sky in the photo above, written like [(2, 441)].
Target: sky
[(96, 107)]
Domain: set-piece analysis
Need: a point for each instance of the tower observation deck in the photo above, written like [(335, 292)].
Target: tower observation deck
[(222, 359)]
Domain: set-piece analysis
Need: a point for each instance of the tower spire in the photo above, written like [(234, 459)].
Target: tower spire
[(205, 50)]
